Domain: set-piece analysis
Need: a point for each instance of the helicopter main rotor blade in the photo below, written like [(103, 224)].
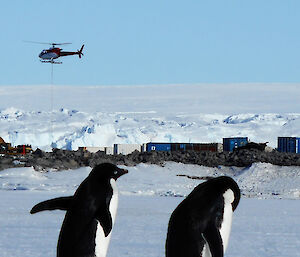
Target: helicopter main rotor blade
[(45, 43), (34, 42), (59, 44)]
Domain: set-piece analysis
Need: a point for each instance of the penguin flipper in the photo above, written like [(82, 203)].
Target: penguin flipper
[(105, 219), (214, 240), (60, 203)]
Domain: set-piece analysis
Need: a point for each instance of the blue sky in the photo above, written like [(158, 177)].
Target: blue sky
[(152, 41)]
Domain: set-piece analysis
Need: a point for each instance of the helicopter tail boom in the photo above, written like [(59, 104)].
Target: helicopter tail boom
[(79, 52)]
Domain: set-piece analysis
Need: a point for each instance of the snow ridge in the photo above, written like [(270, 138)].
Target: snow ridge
[(69, 129)]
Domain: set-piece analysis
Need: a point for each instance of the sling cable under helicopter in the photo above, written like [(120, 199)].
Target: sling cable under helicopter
[(48, 56)]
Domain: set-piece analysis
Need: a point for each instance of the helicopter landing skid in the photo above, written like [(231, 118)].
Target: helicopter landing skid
[(52, 62)]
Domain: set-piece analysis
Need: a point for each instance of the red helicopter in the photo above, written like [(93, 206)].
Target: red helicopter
[(49, 55)]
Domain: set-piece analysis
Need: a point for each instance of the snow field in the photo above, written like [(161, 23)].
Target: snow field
[(148, 195), (265, 228)]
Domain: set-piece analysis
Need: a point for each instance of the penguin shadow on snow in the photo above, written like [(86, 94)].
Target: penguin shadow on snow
[(90, 213), (200, 225)]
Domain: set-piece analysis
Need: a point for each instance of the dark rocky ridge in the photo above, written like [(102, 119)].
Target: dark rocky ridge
[(63, 159)]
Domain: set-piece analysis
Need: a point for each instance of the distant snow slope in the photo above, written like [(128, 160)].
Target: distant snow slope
[(71, 116), (70, 129)]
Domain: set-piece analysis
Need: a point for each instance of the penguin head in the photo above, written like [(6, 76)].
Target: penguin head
[(224, 186), (108, 170), (230, 190)]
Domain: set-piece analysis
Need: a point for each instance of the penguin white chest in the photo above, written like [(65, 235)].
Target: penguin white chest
[(114, 200), (101, 241), (227, 217), (226, 223)]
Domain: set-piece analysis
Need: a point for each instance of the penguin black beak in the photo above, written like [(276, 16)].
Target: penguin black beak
[(121, 172), (124, 171)]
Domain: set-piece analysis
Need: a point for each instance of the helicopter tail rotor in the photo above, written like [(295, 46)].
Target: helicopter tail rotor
[(80, 51)]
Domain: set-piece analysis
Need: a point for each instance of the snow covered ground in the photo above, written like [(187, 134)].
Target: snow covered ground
[(265, 225), (69, 117), (261, 180)]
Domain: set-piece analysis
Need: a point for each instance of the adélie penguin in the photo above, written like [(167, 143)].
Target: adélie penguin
[(90, 215), (200, 225)]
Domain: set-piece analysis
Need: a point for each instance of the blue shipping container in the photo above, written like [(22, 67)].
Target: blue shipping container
[(158, 147), (179, 146), (288, 144), (229, 144)]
